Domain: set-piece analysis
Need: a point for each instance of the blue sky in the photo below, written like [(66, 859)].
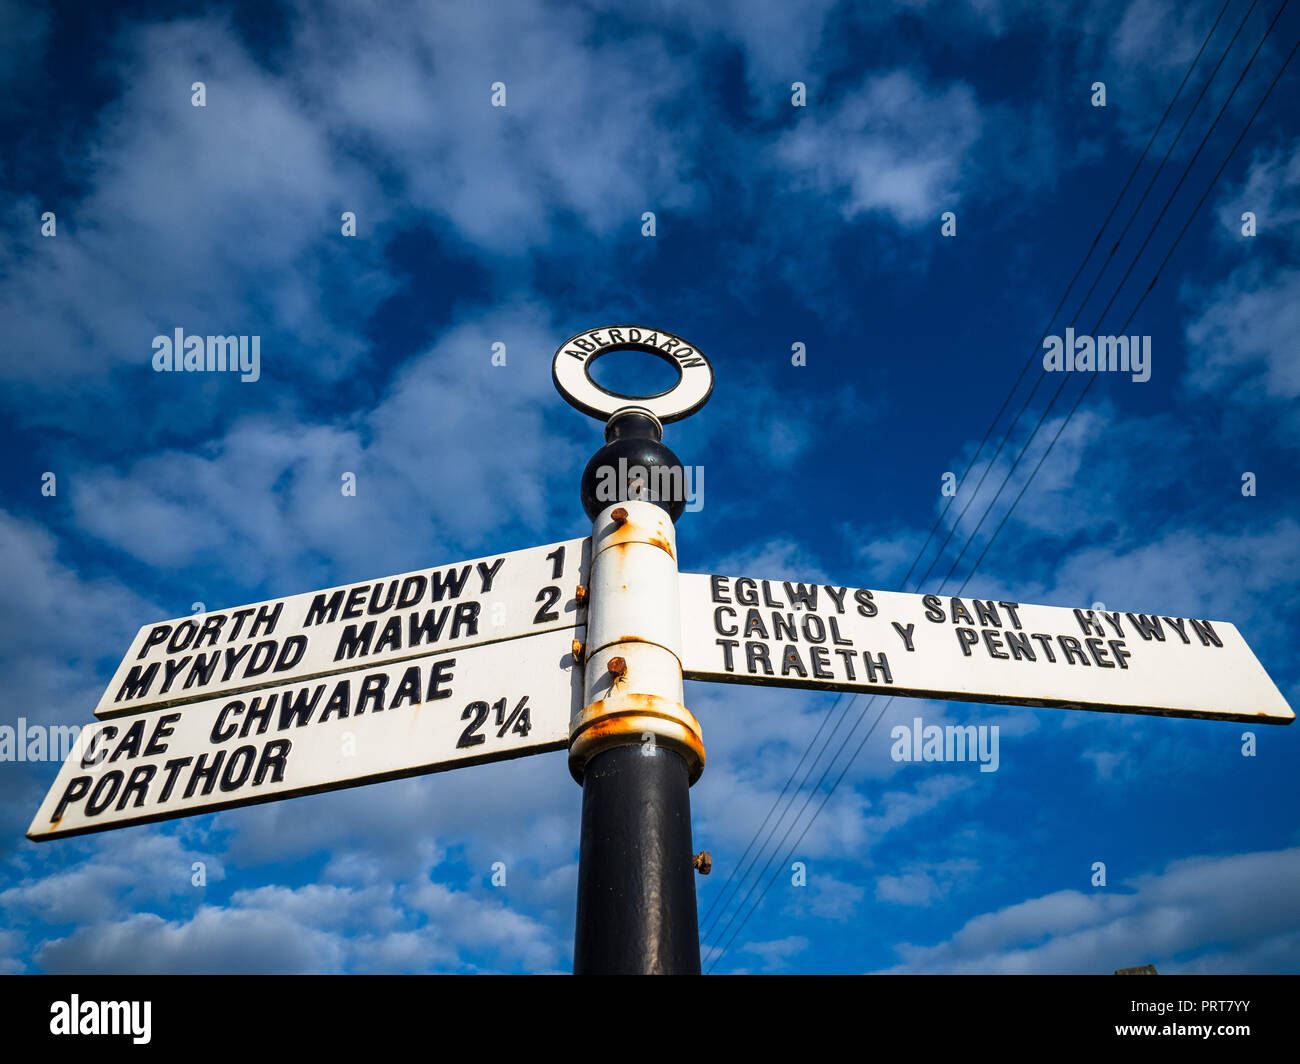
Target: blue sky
[(775, 225)]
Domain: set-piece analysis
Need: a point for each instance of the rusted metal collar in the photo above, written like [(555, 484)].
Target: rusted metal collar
[(635, 720)]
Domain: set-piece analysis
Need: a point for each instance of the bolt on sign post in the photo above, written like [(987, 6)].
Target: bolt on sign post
[(584, 644)]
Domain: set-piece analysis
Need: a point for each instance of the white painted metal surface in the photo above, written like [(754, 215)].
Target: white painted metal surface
[(633, 688), (745, 630), (353, 626), (470, 706)]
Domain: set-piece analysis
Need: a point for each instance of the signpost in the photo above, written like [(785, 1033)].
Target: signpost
[(465, 707), (745, 630), (349, 627), (585, 644)]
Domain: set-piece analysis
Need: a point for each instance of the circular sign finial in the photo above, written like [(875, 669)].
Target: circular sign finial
[(571, 372)]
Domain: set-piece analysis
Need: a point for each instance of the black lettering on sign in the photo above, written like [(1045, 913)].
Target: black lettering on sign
[(390, 636), (746, 591), (238, 768), (322, 611), (173, 770), (814, 629), (548, 597), (783, 629), (791, 662), (438, 675), (95, 752), (487, 574), (1018, 644), (291, 652), (1098, 652), (137, 682), (1011, 608), (717, 620), (412, 591), (233, 658), (466, 616), (1121, 655), (409, 688), (205, 773), (866, 606), (354, 608), (754, 626), (718, 587), (137, 784), (267, 619), (352, 643), (156, 635), (74, 792), (959, 612), (1177, 626), (274, 755), (881, 665), (556, 558), (259, 714), (1148, 627), (203, 669), (933, 608), (171, 670), (848, 656), (130, 742), (256, 667), (836, 637), (338, 701), (767, 596), (728, 645), (993, 640), (837, 594), (987, 614), (756, 654), (220, 732), (1088, 623), (211, 630), (104, 793), (451, 584), (426, 628), (967, 637), (821, 661), (1072, 650), (239, 616), (1206, 634), (161, 729), (298, 711), (470, 737), (189, 630), (905, 634), (372, 691), (1045, 641), (801, 596)]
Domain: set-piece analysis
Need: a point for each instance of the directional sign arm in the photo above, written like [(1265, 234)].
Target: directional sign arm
[(785, 634), (355, 626), (473, 705)]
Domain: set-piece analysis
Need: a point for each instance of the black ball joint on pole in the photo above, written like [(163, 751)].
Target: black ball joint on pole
[(634, 444), (636, 877)]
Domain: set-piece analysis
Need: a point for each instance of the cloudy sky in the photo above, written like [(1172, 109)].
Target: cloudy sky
[(774, 225)]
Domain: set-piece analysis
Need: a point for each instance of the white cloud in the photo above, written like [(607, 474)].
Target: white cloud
[(896, 146), (1176, 919), (926, 883)]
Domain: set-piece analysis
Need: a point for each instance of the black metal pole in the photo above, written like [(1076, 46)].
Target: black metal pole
[(636, 881)]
